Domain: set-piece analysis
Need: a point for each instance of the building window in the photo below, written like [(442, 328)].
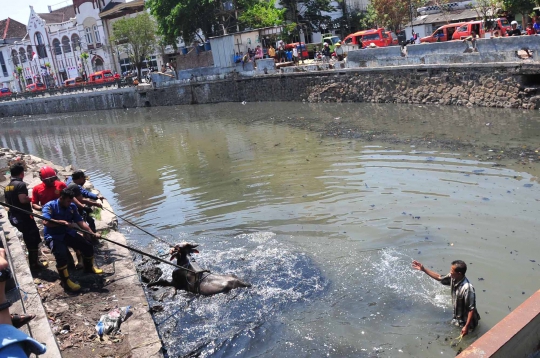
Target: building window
[(96, 34), (65, 44), (75, 41), (29, 52), (42, 53), (22, 54), (56, 46), (15, 57), (150, 63), (3, 64), (125, 65), (89, 39)]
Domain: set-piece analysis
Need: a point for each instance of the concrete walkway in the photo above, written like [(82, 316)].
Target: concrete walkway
[(54, 309)]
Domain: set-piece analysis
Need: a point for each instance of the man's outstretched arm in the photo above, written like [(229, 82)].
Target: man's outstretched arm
[(418, 266)]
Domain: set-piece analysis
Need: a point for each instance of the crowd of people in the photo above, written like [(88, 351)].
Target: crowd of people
[(289, 53), (65, 207)]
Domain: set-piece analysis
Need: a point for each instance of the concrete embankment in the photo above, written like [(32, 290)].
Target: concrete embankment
[(65, 322), (517, 335), (504, 85)]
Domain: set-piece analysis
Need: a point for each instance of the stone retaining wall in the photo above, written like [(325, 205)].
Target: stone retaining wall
[(509, 85)]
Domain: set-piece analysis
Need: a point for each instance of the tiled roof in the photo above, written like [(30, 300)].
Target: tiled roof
[(447, 16), (12, 29), (58, 15), (110, 6)]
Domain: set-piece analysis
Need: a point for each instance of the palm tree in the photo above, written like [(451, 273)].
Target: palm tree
[(84, 57)]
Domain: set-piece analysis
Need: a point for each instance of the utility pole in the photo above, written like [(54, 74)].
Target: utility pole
[(411, 15)]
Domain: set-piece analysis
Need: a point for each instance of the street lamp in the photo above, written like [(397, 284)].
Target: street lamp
[(411, 15)]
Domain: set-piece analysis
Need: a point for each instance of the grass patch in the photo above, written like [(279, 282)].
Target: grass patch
[(96, 214), (105, 232)]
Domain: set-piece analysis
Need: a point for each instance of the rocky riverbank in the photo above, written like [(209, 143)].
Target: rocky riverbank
[(71, 318)]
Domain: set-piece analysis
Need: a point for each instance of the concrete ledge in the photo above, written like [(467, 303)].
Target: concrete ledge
[(516, 336), (39, 327)]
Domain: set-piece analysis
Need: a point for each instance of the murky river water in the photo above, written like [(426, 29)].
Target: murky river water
[(324, 228)]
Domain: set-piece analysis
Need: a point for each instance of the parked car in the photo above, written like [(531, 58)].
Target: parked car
[(101, 77), (393, 40), (4, 92), (443, 33), (500, 23), (72, 82), (362, 39), (465, 30), (36, 87)]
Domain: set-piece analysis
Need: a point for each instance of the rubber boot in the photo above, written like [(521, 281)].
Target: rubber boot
[(71, 263), (80, 260), (66, 282), (33, 260), (89, 266)]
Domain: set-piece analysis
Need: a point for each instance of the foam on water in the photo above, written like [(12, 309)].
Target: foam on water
[(192, 324)]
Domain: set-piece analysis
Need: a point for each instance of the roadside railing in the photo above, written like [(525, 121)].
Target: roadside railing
[(67, 90)]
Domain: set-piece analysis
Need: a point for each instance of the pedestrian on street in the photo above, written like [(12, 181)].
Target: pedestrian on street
[(463, 296), (339, 52), (326, 52), (536, 25), (515, 31), (295, 55)]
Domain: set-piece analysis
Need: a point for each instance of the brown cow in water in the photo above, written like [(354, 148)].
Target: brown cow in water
[(195, 279)]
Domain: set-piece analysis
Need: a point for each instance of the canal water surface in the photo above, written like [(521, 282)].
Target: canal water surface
[(325, 228)]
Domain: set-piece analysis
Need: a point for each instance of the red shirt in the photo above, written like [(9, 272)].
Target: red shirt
[(42, 194)]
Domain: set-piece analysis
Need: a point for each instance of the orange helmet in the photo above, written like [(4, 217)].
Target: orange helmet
[(46, 173)]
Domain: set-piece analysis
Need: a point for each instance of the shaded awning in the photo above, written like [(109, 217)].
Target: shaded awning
[(449, 17)]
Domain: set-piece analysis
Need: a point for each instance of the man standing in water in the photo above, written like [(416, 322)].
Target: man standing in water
[(463, 295)]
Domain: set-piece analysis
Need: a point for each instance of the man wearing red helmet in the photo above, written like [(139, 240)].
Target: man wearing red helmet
[(49, 189)]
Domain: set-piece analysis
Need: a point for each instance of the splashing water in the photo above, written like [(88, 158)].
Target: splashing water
[(393, 271), (192, 324)]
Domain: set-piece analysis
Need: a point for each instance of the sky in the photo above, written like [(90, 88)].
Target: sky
[(20, 9)]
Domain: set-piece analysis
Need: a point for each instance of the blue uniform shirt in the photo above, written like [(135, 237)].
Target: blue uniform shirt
[(85, 193), (53, 210)]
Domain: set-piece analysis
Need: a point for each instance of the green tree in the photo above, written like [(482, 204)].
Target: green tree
[(262, 14), (394, 13), (186, 18), (84, 58), (308, 13), (523, 7), (136, 36), (22, 82)]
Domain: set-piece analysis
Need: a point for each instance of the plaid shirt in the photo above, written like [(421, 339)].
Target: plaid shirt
[(463, 301)]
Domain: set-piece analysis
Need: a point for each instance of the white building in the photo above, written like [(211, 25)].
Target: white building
[(11, 31), (115, 11), (51, 50)]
